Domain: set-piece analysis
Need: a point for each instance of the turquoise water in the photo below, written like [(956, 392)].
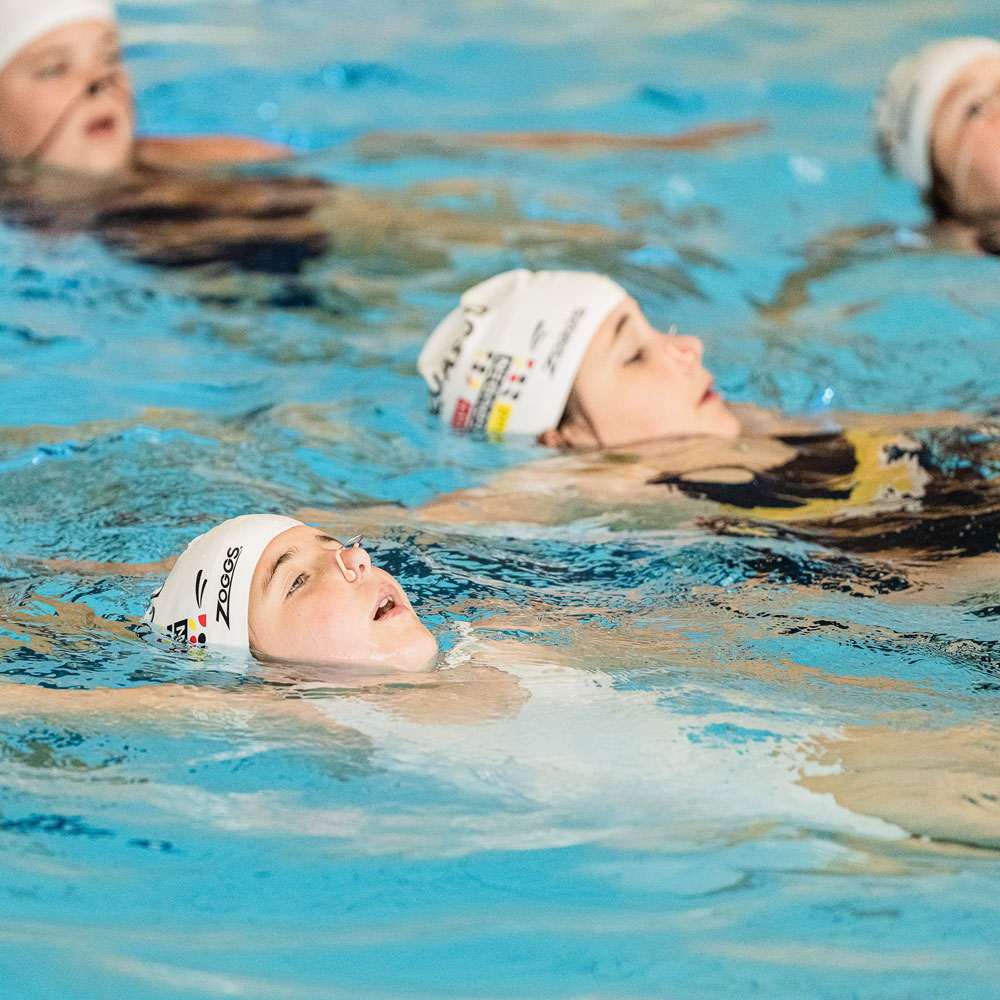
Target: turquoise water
[(619, 812)]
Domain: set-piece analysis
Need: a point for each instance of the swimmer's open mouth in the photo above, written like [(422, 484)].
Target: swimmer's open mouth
[(102, 126), (709, 395), (389, 604)]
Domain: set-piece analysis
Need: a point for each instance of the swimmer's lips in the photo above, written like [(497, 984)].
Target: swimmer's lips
[(389, 603), (102, 127), (709, 396)]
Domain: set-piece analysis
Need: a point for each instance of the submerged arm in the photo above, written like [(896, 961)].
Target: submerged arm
[(170, 152), (403, 144), (89, 567), (942, 783), (171, 705), (473, 691)]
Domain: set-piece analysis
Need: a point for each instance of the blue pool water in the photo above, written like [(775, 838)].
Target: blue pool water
[(618, 791)]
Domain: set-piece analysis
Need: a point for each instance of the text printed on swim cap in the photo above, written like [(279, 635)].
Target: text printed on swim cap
[(560, 345), (226, 585)]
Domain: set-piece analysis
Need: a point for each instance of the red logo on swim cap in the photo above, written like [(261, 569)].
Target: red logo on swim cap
[(461, 415)]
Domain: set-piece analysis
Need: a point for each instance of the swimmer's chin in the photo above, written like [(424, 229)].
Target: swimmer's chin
[(99, 167), (347, 673)]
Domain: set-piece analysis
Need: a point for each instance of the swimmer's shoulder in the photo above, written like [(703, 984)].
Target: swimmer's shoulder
[(167, 152)]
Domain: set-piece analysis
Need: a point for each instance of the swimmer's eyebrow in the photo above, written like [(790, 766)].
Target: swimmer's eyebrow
[(619, 326), (969, 89), (284, 557), (49, 51), (109, 38)]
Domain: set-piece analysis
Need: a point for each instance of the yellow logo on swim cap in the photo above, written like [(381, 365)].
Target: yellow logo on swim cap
[(499, 417)]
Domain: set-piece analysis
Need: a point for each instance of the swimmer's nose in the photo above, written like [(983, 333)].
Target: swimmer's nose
[(694, 345), (101, 83), (684, 349), (353, 562)]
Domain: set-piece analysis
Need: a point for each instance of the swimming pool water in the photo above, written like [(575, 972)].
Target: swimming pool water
[(620, 811)]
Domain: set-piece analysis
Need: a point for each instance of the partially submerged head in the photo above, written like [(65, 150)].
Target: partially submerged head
[(568, 357), (288, 591), (938, 125), (65, 100)]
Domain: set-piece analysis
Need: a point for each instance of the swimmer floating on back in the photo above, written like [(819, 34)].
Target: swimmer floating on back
[(238, 583), (66, 103), (569, 358), (66, 99), (938, 125), (287, 591)]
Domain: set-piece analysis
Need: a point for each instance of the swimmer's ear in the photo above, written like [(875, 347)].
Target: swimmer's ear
[(553, 438)]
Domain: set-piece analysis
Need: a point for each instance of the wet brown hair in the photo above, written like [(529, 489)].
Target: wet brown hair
[(940, 196)]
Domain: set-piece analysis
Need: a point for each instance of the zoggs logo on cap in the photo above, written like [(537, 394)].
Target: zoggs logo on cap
[(226, 584), (190, 630)]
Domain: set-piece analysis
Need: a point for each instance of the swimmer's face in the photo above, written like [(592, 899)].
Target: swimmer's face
[(637, 384), (65, 101), (303, 606), (965, 139)]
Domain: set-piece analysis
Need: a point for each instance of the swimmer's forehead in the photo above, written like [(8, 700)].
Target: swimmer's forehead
[(983, 72), (64, 42), (283, 548), (618, 321)]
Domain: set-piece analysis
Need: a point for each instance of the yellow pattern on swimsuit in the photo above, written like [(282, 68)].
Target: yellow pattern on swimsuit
[(886, 476)]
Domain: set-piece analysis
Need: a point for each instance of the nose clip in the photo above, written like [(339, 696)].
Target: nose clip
[(350, 575)]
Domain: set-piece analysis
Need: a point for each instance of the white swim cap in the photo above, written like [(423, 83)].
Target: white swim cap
[(206, 598), (22, 21), (904, 111), (506, 358)]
